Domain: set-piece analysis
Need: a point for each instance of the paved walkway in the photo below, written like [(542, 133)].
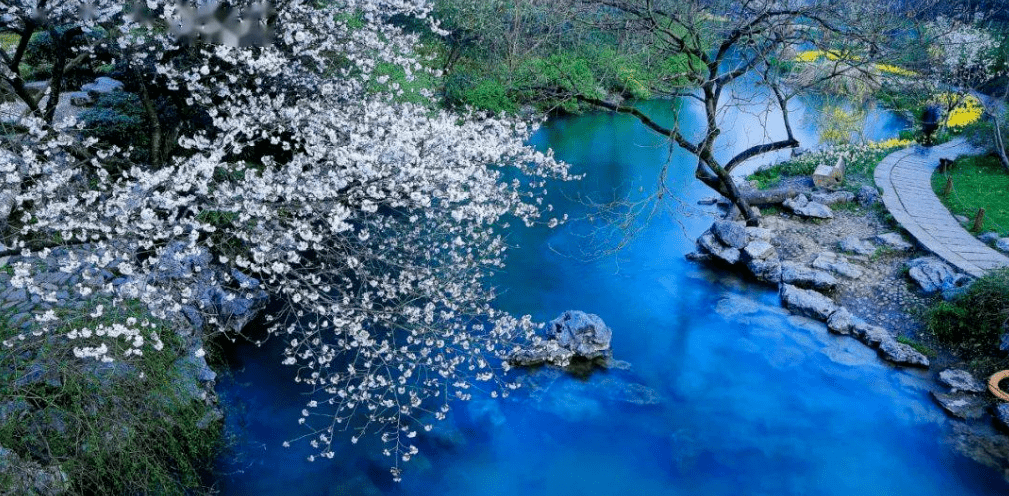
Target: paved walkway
[(906, 179)]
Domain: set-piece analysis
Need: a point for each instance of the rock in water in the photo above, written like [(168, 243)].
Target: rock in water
[(807, 302), (962, 405), (572, 335), (902, 354), (584, 334), (732, 234), (961, 380)]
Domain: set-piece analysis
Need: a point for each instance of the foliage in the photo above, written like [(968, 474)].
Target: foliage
[(113, 428), (918, 346), (973, 321), (117, 118), (978, 182), (860, 161)]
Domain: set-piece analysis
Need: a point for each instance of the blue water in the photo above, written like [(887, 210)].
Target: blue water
[(726, 394)]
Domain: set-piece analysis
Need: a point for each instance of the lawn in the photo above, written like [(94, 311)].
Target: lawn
[(978, 182)]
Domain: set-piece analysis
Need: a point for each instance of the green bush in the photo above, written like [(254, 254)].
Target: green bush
[(973, 321), (118, 118)]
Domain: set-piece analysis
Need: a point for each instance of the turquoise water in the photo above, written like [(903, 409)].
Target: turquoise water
[(725, 395)]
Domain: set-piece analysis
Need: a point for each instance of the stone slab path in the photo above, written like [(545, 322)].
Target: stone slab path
[(906, 179)]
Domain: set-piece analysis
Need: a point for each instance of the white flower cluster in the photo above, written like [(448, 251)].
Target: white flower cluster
[(377, 222)]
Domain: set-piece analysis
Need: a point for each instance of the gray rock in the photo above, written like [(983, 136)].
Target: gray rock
[(961, 219), (894, 241), (838, 265), (759, 250), (988, 237), (758, 233), (698, 256), (961, 380), (80, 99), (711, 200), (39, 373), (870, 334), (1002, 414), (852, 244), (867, 196), (806, 277), (961, 405), (730, 233), (902, 354), (103, 85), (191, 365), (807, 302), (767, 270), (23, 476), (707, 243), (832, 198), (841, 321), (801, 205), (574, 334), (932, 274), (212, 415), (1002, 244), (797, 201)]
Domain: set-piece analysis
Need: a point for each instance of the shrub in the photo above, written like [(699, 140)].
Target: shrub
[(974, 320), (117, 118)]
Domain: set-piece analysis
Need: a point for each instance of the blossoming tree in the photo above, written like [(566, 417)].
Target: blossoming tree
[(375, 222)]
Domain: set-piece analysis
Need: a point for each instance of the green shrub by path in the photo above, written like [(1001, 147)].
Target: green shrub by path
[(973, 321), (128, 427), (978, 182)]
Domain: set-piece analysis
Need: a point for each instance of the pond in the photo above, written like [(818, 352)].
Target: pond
[(725, 393)]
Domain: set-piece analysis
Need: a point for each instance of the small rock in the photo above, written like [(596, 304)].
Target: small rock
[(767, 270), (988, 237), (806, 277), (894, 241), (807, 302), (961, 380), (1002, 244), (711, 200), (801, 205), (758, 233), (870, 334), (759, 250), (697, 256), (574, 334), (902, 354), (730, 233), (838, 265), (867, 196), (961, 219), (797, 201), (841, 321), (961, 405), (103, 85), (931, 274), (709, 244), (832, 198), (852, 244)]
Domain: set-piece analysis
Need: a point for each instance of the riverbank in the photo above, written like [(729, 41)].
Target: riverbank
[(850, 262)]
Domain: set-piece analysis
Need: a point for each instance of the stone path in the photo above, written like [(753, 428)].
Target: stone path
[(906, 179)]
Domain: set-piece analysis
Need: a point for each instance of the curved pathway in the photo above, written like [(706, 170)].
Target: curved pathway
[(906, 179)]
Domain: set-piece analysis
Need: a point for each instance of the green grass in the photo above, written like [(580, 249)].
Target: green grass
[(978, 182), (919, 347), (861, 161)]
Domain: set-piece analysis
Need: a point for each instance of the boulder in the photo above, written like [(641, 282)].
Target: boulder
[(1002, 244), (103, 85), (894, 241), (806, 277), (852, 244), (807, 302), (797, 201), (829, 176), (871, 335), (730, 233), (988, 237), (838, 265), (961, 405), (867, 196), (832, 198), (902, 354), (759, 250), (841, 321), (961, 380), (574, 334), (932, 274), (801, 206), (707, 243)]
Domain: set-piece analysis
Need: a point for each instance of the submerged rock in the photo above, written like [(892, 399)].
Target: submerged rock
[(961, 380), (961, 405)]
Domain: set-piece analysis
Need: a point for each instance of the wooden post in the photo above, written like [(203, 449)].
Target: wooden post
[(979, 220), (949, 186)]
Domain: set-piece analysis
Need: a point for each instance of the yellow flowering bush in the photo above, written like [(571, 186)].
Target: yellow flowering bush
[(965, 113)]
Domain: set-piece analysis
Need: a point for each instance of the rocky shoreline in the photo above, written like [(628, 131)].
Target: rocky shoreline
[(836, 258), (192, 380)]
